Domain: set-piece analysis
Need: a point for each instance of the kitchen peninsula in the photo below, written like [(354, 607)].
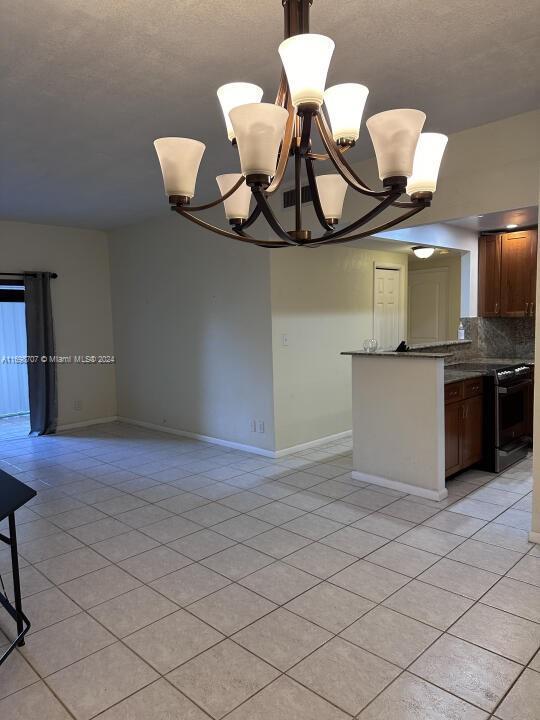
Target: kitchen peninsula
[(398, 421), (418, 420)]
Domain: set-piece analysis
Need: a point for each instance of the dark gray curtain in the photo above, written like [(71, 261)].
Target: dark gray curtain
[(40, 343)]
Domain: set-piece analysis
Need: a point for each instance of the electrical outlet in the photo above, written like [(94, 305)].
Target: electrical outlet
[(253, 425), (260, 426), (77, 405)]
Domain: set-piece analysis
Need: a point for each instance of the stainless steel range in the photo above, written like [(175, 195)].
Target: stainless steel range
[(512, 388), (507, 411)]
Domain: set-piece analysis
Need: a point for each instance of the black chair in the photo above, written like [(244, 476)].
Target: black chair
[(13, 495)]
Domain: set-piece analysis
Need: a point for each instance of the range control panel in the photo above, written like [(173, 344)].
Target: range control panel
[(512, 373)]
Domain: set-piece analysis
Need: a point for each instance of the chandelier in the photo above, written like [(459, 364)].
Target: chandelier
[(267, 135)]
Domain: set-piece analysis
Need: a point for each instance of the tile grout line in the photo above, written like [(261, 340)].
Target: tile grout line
[(322, 537)]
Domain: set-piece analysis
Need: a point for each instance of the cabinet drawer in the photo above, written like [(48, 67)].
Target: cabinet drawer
[(472, 387), (453, 392)]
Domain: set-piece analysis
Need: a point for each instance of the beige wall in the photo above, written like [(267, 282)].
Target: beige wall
[(452, 262), (323, 301), (81, 308), (192, 328)]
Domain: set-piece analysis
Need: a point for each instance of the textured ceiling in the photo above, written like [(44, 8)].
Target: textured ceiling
[(88, 84)]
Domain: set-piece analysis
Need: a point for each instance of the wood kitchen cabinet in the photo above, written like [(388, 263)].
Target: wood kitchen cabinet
[(507, 274), (463, 424), (489, 275)]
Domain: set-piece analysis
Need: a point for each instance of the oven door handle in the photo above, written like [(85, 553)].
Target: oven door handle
[(513, 388)]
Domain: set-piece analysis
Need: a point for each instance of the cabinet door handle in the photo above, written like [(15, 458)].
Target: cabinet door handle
[(496, 308), (531, 309), (526, 308)]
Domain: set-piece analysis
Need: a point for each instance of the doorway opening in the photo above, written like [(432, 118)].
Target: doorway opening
[(434, 297), (14, 398)]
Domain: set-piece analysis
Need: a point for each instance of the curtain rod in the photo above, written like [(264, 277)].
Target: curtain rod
[(21, 275)]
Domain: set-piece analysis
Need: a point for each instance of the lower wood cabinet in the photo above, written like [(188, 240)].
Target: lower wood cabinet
[(463, 424)]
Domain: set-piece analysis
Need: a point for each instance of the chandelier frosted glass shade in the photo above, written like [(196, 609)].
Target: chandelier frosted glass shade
[(179, 159), (427, 161), (259, 129), (234, 94), (394, 135), (345, 104), (237, 205), (332, 189), (306, 59)]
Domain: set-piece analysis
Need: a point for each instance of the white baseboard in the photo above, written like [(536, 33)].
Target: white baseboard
[(274, 454), (401, 486), (196, 436), (86, 423), (534, 537), (312, 444)]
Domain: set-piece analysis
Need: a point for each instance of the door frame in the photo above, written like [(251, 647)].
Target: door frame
[(425, 271), (377, 265)]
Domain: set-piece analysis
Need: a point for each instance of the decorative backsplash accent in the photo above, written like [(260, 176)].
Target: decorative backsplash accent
[(489, 338), (501, 337)]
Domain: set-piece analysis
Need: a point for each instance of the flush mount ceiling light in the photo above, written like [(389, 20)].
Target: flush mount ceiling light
[(511, 226), (267, 135), (423, 252)]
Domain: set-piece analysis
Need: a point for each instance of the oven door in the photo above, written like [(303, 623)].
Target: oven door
[(511, 412)]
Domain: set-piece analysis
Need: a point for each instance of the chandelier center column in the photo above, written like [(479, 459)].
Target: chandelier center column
[(296, 17)]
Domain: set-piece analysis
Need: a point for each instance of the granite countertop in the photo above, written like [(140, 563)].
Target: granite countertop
[(451, 376), (440, 343), (389, 353), (455, 375)]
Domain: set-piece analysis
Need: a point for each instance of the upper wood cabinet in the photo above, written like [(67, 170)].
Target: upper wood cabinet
[(507, 274), (489, 275)]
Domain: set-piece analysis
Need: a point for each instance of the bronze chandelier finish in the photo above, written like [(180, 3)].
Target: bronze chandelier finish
[(296, 145)]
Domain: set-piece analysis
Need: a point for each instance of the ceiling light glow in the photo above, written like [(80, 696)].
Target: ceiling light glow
[(423, 252)]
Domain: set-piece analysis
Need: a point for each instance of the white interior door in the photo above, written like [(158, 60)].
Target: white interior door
[(428, 305), (386, 308)]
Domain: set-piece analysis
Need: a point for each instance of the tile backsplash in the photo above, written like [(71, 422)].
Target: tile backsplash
[(501, 337)]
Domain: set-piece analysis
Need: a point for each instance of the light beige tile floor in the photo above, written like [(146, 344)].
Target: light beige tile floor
[(168, 578)]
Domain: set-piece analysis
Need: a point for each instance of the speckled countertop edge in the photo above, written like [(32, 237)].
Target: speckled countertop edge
[(382, 353)]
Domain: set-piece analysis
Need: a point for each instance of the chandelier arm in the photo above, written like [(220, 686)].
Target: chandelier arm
[(207, 206), (217, 230), (281, 97), (312, 181), (305, 136), (324, 156), (383, 204), (260, 243), (271, 219), (251, 219), (285, 150), (367, 233), (341, 165), (411, 204)]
